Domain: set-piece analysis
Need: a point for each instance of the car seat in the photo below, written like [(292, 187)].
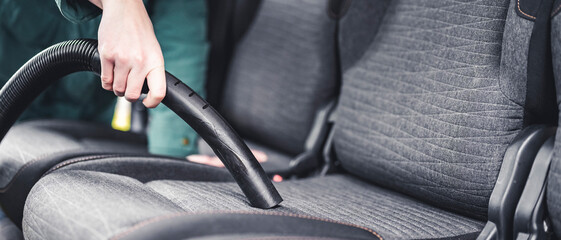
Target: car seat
[(430, 116)]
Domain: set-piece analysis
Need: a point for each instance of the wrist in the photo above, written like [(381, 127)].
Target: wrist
[(97, 3), (108, 3)]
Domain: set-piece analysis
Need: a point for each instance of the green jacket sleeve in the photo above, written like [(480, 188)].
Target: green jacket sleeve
[(78, 10), (180, 27)]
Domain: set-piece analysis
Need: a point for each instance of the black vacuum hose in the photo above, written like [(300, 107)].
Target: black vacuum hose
[(81, 55)]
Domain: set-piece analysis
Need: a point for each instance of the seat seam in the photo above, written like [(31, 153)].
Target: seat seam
[(37, 159), (532, 17), (290, 238), (81, 159), (556, 10), (165, 217)]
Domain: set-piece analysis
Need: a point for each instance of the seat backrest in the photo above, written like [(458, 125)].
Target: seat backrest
[(433, 103), (282, 71)]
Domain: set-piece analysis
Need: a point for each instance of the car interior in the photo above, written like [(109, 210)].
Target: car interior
[(386, 119)]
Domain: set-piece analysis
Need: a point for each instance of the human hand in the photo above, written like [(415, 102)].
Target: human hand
[(130, 52)]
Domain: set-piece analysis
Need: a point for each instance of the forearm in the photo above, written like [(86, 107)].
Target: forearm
[(101, 3)]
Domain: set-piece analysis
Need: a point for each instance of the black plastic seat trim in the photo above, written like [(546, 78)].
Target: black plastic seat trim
[(517, 162), (530, 215)]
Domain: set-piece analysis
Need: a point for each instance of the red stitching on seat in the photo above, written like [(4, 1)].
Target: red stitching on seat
[(81, 159), (35, 160), (556, 10), (162, 218), (291, 238)]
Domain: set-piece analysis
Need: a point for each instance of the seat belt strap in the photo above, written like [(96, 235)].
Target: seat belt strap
[(541, 104)]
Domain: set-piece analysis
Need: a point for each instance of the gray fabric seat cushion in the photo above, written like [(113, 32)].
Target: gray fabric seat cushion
[(86, 204), (30, 141), (277, 162)]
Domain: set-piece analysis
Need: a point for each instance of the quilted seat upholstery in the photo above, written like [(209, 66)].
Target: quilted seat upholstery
[(351, 201), (425, 116)]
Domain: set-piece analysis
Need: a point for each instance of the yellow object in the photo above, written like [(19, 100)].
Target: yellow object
[(122, 116)]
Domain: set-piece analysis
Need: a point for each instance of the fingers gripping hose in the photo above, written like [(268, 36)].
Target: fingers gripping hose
[(81, 55)]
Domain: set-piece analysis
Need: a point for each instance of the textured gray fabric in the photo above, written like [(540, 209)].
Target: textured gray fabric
[(276, 161), (281, 73), (8, 230), (101, 205), (423, 112), (71, 204), (357, 29), (514, 61), (338, 197), (554, 178), (29, 141)]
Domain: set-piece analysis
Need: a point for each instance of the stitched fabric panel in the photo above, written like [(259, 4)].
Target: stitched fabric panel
[(514, 60), (106, 204), (282, 71), (423, 112), (30, 140)]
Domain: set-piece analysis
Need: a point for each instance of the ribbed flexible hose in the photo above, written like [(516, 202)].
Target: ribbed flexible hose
[(81, 55), (39, 73)]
